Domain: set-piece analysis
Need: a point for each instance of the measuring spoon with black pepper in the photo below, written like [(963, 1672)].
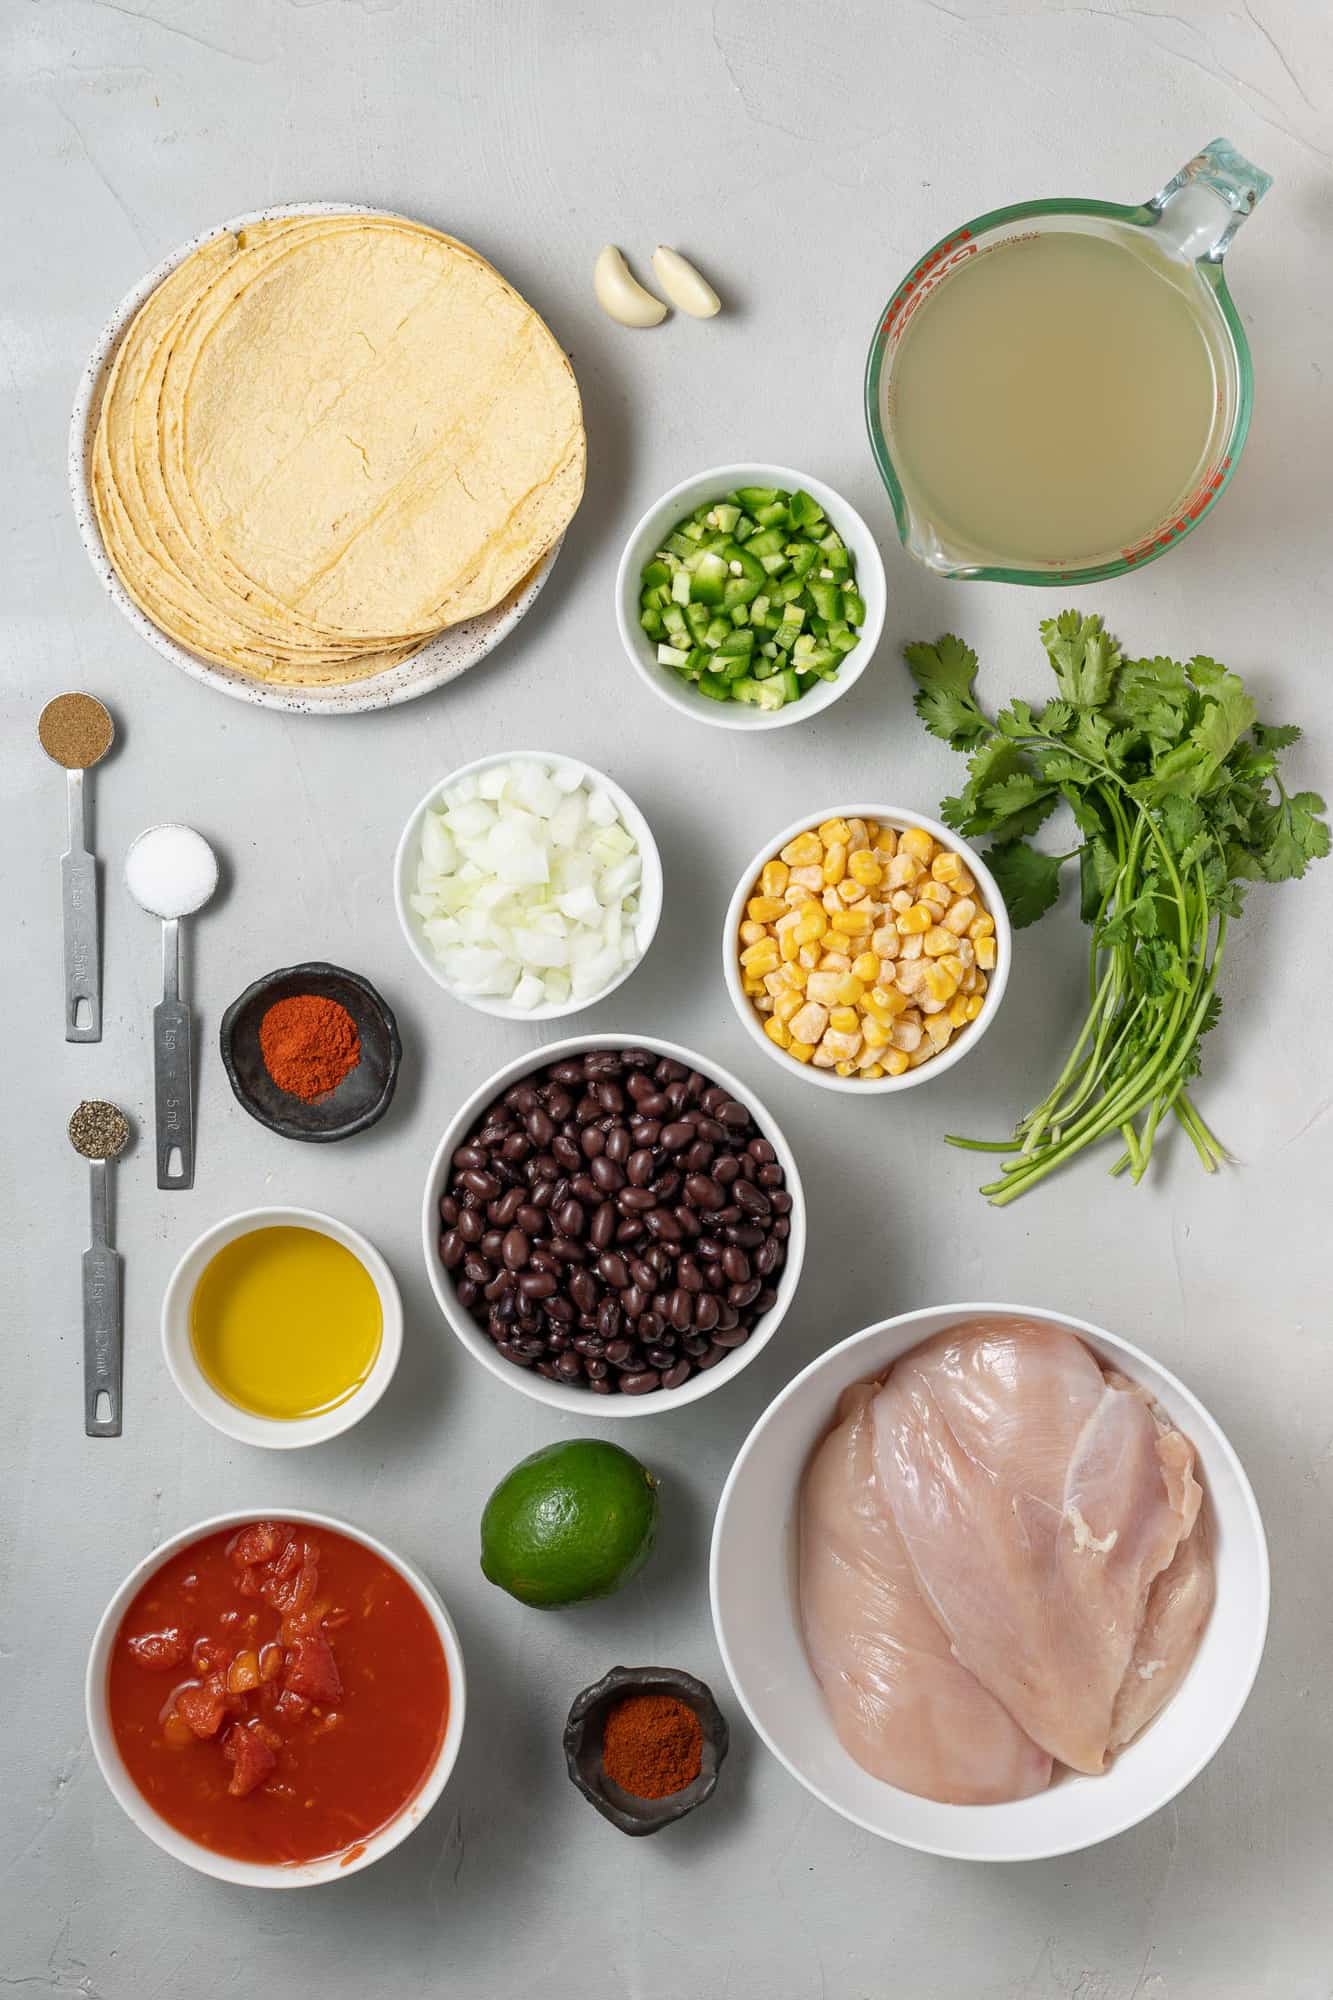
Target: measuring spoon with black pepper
[(99, 1133)]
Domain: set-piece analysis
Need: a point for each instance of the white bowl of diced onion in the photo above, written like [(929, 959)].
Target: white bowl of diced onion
[(529, 885)]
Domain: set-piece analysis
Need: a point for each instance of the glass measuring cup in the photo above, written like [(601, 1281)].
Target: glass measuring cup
[(1190, 224)]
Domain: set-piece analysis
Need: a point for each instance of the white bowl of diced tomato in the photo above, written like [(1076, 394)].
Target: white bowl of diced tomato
[(277, 1699)]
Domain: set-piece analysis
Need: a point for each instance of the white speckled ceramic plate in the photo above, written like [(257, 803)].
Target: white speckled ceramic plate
[(440, 660)]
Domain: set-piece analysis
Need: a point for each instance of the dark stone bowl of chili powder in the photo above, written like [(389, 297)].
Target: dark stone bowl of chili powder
[(644, 1745), (312, 1052)]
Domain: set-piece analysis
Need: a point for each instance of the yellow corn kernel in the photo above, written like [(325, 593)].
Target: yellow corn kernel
[(872, 1070), (858, 836), (841, 1045), (810, 877), (965, 952), (835, 832), (851, 989), (910, 947), (773, 878), (813, 924), (953, 966), (874, 1033), (774, 983), (906, 1034), (886, 843), (947, 866), (940, 1030), (959, 915), (762, 956), (982, 982), (844, 1069), (973, 1005), (986, 953), (923, 1054), (865, 967), (935, 896), (808, 956), (802, 851), (752, 932), (917, 841), (835, 961), (852, 923), (810, 1023), (849, 890), (958, 1015), (895, 1062), (831, 901), (937, 941), (873, 832), (863, 868), (823, 986), (786, 1003), (752, 987), (884, 1004), (777, 1031), (904, 868), (835, 862), (764, 909), (846, 1020), (795, 896), (940, 985), (982, 926), (885, 942), (801, 1050), (788, 945), (797, 974), (918, 917)]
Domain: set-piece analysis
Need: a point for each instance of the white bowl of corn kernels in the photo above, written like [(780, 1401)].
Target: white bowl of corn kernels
[(867, 948)]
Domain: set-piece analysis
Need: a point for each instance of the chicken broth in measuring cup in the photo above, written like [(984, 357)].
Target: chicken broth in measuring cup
[(1053, 399)]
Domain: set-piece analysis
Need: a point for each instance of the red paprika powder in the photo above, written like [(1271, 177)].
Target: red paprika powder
[(308, 1044), (652, 1745)]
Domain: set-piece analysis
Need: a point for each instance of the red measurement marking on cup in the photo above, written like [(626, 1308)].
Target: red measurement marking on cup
[(924, 278), (1200, 500)]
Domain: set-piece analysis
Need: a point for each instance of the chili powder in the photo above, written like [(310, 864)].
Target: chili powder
[(309, 1044), (652, 1745)]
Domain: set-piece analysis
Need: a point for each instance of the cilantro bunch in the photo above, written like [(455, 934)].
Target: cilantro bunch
[(1174, 789)]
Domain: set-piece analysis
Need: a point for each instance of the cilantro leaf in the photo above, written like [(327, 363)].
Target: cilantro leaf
[(1083, 656), (1029, 880), (944, 674), (1294, 836), (1277, 736)]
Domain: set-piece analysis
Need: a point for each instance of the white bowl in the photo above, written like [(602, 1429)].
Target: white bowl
[(752, 1581), (962, 1045), (650, 888), (443, 658), (226, 1867), (276, 1434), (582, 1402), (648, 537)]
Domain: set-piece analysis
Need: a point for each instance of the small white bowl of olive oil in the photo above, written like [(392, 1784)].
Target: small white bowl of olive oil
[(282, 1327)]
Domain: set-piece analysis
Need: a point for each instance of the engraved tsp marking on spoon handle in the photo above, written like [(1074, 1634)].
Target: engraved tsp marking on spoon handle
[(102, 1336), (173, 1081), (83, 945)]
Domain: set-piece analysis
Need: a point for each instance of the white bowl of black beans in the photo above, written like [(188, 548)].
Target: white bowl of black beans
[(614, 1224)]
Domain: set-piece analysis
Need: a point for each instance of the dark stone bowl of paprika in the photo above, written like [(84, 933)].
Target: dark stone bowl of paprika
[(323, 1033), (655, 1727)]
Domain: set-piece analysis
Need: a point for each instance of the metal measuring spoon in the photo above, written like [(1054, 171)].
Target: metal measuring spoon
[(76, 731), (171, 871), (100, 1132)]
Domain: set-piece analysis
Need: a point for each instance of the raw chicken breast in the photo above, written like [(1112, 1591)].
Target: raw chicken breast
[(902, 1705), (1178, 1607), (1038, 1502)]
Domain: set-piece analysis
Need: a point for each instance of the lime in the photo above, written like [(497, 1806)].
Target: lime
[(575, 1520)]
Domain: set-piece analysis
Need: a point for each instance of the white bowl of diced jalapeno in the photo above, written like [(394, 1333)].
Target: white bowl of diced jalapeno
[(750, 596)]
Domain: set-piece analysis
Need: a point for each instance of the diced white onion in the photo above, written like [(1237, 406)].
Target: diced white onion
[(527, 885)]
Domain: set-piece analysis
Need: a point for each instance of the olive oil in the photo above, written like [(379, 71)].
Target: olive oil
[(285, 1322), (1053, 399)]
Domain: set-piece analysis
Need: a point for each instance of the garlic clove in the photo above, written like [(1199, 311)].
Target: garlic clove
[(684, 286), (619, 293)]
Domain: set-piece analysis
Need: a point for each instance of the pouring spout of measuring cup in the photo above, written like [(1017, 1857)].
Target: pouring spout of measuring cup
[(1196, 215)]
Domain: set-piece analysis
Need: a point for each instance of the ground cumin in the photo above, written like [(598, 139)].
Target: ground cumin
[(652, 1745), (308, 1044)]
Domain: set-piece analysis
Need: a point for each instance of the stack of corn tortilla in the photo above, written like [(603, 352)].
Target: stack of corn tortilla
[(324, 439)]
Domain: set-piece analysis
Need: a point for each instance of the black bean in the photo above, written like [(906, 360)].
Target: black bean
[(742, 1295), (607, 1175), (470, 1155), (629, 1229), (490, 1244), (680, 1309), (612, 1267), (468, 1294), (736, 1264), (592, 1141), (603, 1226), (713, 1356), (635, 1300), (501, 1284), (659, 1357), (583, 1290), (675, 1377), (448, 1210), (570, 1219), (538, 1285), (766, 1301), (731, 1336), (641, 1384), (516, 1249), (568, 1250), (470, 1225), (704, 1191), (570, 1366), (780, 1201), (558, 1309), (677, 1136), (584, 1188), (694, 1344), (690, 1224), (726, 1170), (618, 1144), (663, 1225), (513, 1353), (635, 1200), (707, 1312), (752, 1199), (484, 1186), (476, 1267), (451, 1249)]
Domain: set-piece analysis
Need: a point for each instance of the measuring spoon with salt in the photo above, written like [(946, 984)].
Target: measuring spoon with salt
[(171, 871), (76, 731), (99, 1133)]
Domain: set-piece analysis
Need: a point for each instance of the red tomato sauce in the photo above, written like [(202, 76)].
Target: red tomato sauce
[(278, 1693)]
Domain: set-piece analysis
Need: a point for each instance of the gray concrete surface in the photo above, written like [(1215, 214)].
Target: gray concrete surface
[(805, 154)]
